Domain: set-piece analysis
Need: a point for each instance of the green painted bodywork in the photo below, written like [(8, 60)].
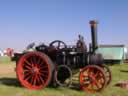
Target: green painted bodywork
[(111, 53)]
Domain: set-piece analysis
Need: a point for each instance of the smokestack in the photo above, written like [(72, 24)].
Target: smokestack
[(94, 44)]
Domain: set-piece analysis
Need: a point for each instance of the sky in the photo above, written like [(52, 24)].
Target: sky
[(26, 21)]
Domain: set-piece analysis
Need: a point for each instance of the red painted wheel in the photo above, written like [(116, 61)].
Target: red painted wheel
[(34, 70), (107, 73), (92, 79)]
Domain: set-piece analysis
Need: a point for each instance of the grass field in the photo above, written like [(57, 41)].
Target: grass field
[(9, 85), (5, 60)]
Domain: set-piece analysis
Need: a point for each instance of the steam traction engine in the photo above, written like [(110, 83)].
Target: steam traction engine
[(54, 65)]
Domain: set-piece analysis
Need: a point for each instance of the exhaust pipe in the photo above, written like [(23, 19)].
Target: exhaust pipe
[(94, 44)]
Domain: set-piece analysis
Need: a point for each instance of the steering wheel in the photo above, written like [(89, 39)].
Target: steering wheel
[(58, 44)]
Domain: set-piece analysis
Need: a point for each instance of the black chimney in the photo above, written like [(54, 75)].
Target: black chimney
[(94, 44)]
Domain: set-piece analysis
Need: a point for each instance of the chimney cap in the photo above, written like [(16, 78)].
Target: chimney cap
[(93, 22)]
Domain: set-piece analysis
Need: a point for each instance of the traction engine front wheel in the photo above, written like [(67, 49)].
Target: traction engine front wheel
[(34, 70), (92, 79)]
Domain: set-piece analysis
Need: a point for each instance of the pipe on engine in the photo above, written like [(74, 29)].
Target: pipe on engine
[(94, 44)]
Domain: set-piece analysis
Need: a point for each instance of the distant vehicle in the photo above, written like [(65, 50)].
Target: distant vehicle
[(9, 52)]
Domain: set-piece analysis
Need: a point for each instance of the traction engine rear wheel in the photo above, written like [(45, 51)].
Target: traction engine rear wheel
[(92, 79), (34, 70)]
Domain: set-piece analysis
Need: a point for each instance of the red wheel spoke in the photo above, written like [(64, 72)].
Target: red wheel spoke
[(31, 60), (97, 74), (25, 70), (86, 83), (27, 73), (27, 62), (88, 70), (41, 79), (28, 67), (40, 65), (44, 75), (38, 62), (38, 79), (31, 80), (28, 77), (93, 81), (96, 83), (85, 75), (85, 80), (101, 76), (34, 60), (101, 80), (35, 79), (90, 73), (43, 67), (43, 71), (98, 77)]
